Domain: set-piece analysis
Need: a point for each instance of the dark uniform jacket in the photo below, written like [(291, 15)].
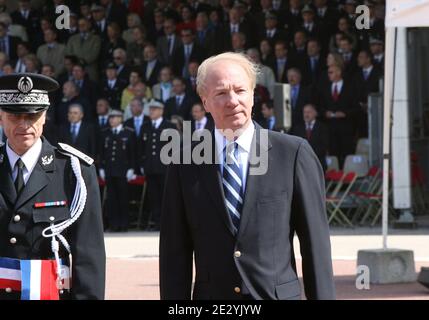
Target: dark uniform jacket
[(53, 180), (151, 147), (118, 152)]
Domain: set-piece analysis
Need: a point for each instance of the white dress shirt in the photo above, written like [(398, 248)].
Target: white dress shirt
[(200, 124), (157, 122), (244, 142), (339, 86), (117, 129), (29, 159)]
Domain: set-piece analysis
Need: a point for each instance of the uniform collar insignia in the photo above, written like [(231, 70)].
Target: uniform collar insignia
[(47, 160)]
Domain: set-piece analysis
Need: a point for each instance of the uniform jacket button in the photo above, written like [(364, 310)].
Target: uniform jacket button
[(237, 254), (17, 218), (12, 240), (237, 290), (8, 290), (153, 153)]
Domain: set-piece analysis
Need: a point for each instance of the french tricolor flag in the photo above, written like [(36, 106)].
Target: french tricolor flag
[(10, 274), (39, 280)]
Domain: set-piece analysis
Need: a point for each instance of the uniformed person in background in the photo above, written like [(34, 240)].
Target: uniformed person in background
[(50, 212), (153, 168), (118, 160)]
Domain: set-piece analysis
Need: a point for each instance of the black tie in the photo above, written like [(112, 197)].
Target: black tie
[(19, 181)]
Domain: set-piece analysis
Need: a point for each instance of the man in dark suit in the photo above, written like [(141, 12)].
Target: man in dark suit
[(282, 61), (349, 57), (326, 15), (99, 21), (77, 133), (377, 50), (237, 212), (314, 63), (234, 26), (315, 132), (338, 102), (115, 12), (200, 119), (29, 19), (181, 103), (299, 95), (168, 44), (367, 80), (153, 167), (312, 27), (87, 87), (269, 119), (111, 88), (122, 69), (71, 96), (271, 31), (8, 44), (37, 189), (188, 51), (206, 37), (293, 17), (151, 65)]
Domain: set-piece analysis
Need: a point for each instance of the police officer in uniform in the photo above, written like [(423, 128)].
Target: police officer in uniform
[(50, 212), (118, 158), (153, 168)]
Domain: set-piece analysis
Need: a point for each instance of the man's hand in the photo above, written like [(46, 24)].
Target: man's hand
[(102, 174), (340, 114), (328, 114), (131, 175)]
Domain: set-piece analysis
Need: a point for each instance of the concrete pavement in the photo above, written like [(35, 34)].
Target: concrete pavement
[(132, 265)]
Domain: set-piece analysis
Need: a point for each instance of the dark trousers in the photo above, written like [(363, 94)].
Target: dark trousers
[(341, 142), (117, 202), (155, 190)]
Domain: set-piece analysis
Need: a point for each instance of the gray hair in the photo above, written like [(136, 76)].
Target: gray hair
[(241, 59)]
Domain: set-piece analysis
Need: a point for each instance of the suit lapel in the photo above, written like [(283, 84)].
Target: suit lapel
[(7, 188), (253, 182), (40, 176)]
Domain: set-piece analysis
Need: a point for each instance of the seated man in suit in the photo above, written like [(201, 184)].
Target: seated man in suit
[(78, 133), (236, 212), (315, 132)]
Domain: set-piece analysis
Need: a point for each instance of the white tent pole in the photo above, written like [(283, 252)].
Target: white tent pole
[(388, 100)]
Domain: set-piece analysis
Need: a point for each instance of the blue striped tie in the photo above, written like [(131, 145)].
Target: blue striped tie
[(233, 184)]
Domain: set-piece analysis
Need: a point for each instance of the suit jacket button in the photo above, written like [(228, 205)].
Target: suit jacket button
[(52, 218), (237, 254), (8, 290), (153, 153), (12, 240), (237, 290), (153, 146), (17, 218), (153, 140)]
